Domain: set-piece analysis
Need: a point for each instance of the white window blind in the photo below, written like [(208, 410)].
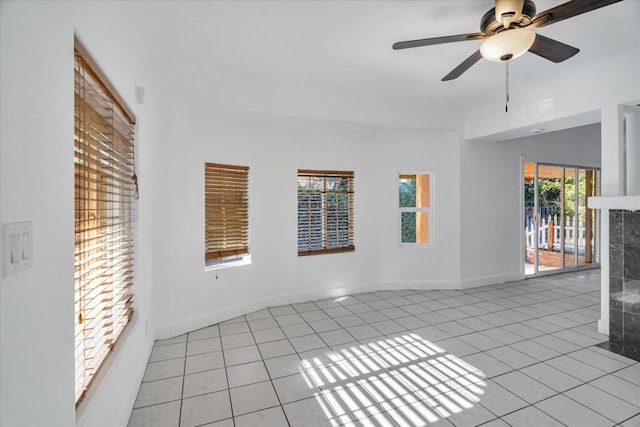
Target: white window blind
[(226, 212)]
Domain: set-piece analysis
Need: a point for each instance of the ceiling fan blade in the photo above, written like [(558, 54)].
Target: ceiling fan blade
[(551, 49), (568, 10), (437, 40), (464, 66)]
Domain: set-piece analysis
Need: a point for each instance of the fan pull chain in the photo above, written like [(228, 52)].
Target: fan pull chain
[(506, 105)]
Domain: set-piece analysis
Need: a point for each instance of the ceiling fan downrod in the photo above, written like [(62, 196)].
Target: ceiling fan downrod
[(506, 105)]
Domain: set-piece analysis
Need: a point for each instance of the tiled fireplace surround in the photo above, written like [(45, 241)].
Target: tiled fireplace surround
[(624, 283)]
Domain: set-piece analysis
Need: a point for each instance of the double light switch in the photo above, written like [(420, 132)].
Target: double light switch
[(17, 240)]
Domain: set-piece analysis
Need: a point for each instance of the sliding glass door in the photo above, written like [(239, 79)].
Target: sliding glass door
[(560, 231)]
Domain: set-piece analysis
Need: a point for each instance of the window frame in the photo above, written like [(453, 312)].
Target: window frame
[(350, 235), (105, 197), (230, 174), (430, 211)]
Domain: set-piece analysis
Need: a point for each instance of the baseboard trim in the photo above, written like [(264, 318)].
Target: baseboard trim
[(475, 282), (603, 326), (169, 331), (421, 285)]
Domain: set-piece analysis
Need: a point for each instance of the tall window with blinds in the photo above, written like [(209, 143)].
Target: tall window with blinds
[(325, 212), (226, 200), (105, 192)]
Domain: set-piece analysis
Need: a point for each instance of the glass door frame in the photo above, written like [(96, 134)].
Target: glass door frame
[(575, 226)]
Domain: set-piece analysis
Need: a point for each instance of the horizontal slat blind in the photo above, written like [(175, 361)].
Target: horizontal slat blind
[(325, 211), (226, 212), (104, 210)]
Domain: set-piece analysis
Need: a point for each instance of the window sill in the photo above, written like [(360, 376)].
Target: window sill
[(233, 263), (417, 245), (350, 248)]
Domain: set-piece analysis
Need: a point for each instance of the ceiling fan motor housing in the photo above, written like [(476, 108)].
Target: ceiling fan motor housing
[(489, 25)]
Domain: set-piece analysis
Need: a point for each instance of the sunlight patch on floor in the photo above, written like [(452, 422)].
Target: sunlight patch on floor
[(403, 378)]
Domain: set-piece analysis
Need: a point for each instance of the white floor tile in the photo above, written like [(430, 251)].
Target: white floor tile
[(632, 373), (295, 387), (237, 356), (164, 369), (457, 347), (237, 340), (363, 332), (223, 423), (598, 360), (268, 335), (284, 365), (204, 333), (531, 417), (535, 350), (204, 383), (551, 377), (247, 373), (324, 325), (204, 362), (311, 316), (620, 388), (307, 342), (604, 403), (165, 352), (175, 340), (160, 391), (162, 415), (204, 409), (260, 324), (525, 387), (511, 357), (339, 336), (499, 400), (487, 365), (234, 328), (297, 330), (276, 349), (481, 341), (454, 329), (253, 397), (272, 417), (632, 422), (572, 413), (575, 368), (502, 335), (310, 412), (289, 319), (203, 346)]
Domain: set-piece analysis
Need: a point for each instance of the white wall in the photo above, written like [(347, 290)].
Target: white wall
[(274, 148), (436, 266), (36, 176), (491, 181)]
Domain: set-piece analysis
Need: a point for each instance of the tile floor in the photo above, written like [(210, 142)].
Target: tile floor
[(519, 354)]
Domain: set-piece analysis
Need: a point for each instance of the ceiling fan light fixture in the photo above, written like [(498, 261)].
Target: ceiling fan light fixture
[(507, 45)]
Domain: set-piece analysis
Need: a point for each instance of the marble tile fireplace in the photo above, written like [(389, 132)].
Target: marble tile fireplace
[(624, 282)]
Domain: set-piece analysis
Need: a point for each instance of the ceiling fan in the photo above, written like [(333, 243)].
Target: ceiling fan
[(507, 33)]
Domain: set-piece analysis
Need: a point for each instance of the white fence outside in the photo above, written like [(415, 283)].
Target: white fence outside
[(543, 233)]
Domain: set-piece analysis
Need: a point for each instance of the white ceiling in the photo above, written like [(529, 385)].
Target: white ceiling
[(334, 58)]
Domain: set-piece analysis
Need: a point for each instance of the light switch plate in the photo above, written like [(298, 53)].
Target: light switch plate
[(17, 247)]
